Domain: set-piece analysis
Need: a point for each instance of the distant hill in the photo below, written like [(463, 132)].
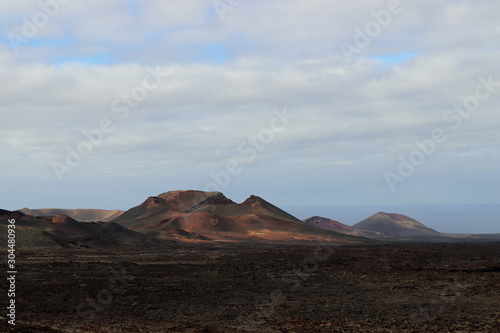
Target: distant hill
[(395, 224), (210, 216), (196, 216), (82, 215), (49, 231), (397, 228), (329, 224)]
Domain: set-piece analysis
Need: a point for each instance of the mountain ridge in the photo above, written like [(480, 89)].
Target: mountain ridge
[(190, 215), (211, 215), (62, 230), (329, 224), (81, 215)]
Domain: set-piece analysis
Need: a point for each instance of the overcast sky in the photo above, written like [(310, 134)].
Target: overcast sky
[(300, 102)]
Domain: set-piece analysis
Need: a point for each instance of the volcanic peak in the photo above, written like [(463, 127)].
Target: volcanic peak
[(395, 224), (254, 201), (394, 216)]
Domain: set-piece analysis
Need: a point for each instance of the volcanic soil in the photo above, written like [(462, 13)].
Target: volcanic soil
[(260, 288)]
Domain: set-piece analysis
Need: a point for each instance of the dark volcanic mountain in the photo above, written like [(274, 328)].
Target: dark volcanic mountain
[(402, 229), (396, 224), (200, 215), (82, 215), (43, 231), (329, 224)]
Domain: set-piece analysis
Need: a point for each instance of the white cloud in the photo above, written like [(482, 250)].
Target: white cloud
[(353, 120)]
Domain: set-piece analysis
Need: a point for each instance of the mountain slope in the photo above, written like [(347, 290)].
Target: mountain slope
[(62, 230), (210, 215), (329, 224), (396, 224), (81, 215)]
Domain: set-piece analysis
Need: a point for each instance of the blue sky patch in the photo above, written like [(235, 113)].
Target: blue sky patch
[(95, 60), (65, 41), (392, 59), (215, 53), (133, 7)]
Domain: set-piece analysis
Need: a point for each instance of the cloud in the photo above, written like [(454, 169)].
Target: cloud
[(224, 78)]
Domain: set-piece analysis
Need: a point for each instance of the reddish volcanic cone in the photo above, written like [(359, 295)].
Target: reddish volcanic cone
[(210, 215)]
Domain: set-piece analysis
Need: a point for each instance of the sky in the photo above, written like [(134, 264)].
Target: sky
[(310, 103)]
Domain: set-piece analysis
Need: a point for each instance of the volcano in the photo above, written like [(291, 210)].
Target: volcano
[(210, 216), (396, 224)]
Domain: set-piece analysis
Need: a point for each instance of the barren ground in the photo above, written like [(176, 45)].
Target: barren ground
[(385, 288)]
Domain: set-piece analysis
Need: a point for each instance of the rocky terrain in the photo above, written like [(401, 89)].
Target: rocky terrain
[(260, 288)]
